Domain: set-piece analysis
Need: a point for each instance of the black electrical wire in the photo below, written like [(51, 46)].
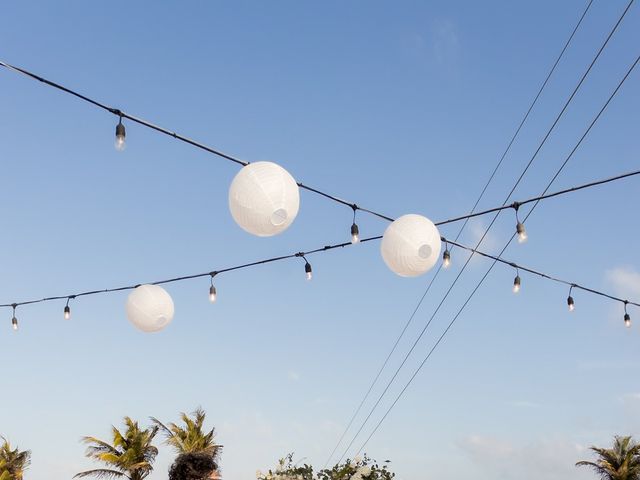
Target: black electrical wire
[(466, 220), (538, 273), (517, 204), (496, 258), (557, 119), (121, 114), (311, 252)]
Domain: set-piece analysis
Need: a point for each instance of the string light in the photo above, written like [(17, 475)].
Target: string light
[(520, 230), (307, 266), (627, 317), (213, 294), (14, 320), (570, 302), (355, 234), (446, 257), (355, 231), (516, 282), (307, 269), (67, 309), (121, 135), (308, 272)]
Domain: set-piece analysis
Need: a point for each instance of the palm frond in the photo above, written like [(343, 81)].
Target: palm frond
[(100, 473)]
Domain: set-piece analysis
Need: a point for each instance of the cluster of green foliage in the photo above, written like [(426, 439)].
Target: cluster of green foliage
[(131, 453), (13, 462), (622, 462), (287, 470), (356, 469)]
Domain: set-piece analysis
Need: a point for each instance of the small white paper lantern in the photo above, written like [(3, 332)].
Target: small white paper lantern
[(411, 245), (150, 308), (264, 199)]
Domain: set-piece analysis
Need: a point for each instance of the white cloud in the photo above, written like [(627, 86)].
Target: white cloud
[(625, 282), (545, 459), (446, 45), (293, 376)]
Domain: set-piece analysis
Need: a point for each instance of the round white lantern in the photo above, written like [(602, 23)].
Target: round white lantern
[(264, 199), (150, 308), (411, 245)]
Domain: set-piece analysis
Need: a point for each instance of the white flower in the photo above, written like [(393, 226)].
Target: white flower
[(364, 471), (258, 474), (357, 459)]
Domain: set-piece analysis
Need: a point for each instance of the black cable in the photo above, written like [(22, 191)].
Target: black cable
[(311, 252), (466, 220), (557, 119), (517, 266), (518, 204), (121, 114), (497, 259)]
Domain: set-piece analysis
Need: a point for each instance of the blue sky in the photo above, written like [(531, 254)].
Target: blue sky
[(404, 108)]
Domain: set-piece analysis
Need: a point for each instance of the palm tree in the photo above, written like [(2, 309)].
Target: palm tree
[(130, 456), (191, 437), (13, 463), (622, 462)]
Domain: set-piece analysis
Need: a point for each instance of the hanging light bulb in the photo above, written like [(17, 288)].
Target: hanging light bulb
[(570, 302), (522, 232), (516, 284), (14, 320), (121, 134), (627, 317), (446, 258), (355, 234), (67, 309), (307, 269), (355, 231), (213, 294)]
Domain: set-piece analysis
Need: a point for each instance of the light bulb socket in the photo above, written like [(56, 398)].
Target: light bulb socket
[(121, 132)]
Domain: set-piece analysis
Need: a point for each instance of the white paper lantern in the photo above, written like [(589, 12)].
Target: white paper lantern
[(264, 199), (411, 245), (150, 308)]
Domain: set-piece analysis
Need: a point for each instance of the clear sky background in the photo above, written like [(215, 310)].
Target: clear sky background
[(403, 107)]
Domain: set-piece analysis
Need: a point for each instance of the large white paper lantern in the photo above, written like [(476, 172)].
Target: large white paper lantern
[(411, 245), (264, 199), (150, 308)]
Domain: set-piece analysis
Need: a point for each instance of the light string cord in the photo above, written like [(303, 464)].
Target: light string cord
[(140, 121), (540, 274), (495, 261), (466, 220), (214, 273)]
